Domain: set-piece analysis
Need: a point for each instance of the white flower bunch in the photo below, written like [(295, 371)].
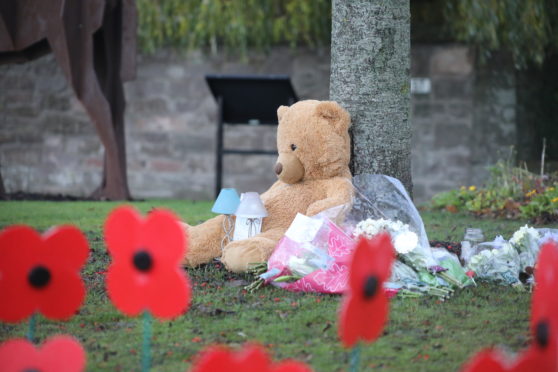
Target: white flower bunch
[(521, 239), (404, 240), (526, 242), (497, 264)]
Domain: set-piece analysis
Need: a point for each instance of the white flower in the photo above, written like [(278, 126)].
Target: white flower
[(404, 240)]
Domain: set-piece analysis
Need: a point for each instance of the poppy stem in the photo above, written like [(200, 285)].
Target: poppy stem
[(146, 353), (354, 359), (32, 326)]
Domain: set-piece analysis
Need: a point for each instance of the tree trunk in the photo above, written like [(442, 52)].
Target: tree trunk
[(370, 61)]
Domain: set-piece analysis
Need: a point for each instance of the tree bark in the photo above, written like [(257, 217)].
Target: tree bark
[(370, 63)]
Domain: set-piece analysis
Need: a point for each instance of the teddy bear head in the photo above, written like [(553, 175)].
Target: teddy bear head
[(313, 141)]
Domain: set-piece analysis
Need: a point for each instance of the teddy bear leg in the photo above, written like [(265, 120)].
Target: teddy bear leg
[(204, 241), (238, 255)]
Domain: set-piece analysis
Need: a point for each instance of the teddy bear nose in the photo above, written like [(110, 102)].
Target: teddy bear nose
[(278, 168)]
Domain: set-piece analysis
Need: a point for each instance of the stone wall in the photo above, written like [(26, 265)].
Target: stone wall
[(47, 144), (442, 119)]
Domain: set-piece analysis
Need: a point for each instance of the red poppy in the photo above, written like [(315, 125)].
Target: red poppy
[(251, 359), (145, 273), (41, 273), (544, 308), (58, 354), (365, 305), (542, 355)]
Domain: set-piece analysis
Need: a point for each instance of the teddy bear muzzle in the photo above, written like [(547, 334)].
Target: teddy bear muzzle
[(289, 169)]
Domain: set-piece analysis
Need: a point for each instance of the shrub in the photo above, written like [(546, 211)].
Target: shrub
[(511, 192)]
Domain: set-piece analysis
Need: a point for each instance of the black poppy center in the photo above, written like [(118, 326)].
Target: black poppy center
[(31, 370), (370, 286), (39, 277), (542, 333), (143, 261)]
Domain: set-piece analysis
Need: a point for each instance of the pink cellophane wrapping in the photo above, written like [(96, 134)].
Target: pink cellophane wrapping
[(331, 280)]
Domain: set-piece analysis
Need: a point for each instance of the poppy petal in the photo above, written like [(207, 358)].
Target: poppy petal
[(58, 354), (17, 355), (63, 354), (18, 245), (15, 290), (63, 296), (290, 366), (535, 359), (215, 359), (122, 228), (168, 294), (162, 234), (18, 248), (253, 359), (486, 361), (67, 246), (126, 289), (362, 321), (374, 315)]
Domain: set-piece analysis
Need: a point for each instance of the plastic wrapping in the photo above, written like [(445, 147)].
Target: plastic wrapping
[(382, 197), (501, 264), (315, 253), (468, 250), (313, 256)]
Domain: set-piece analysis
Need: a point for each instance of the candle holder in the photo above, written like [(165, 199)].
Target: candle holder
[(227, 203), (249, 216)]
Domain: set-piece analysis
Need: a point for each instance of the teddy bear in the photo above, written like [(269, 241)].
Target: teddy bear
[(313, 175)]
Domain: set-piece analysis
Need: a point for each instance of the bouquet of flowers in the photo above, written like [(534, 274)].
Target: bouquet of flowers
[(413, 272), (502, 263), (305, 261), (526, 242), (313, 256)]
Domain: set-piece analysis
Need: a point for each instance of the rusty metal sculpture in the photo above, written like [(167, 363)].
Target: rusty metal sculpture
[(94, 43)]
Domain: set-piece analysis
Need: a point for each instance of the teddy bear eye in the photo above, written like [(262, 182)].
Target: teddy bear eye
[(293, 147)]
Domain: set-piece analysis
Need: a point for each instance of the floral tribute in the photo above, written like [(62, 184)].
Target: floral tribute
[(542, 355), (145, 274), (41, 273), (251, 359), (404, 240), (364, 310), (58, 354)]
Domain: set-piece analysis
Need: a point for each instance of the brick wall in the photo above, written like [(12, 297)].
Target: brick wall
[(47, 144)]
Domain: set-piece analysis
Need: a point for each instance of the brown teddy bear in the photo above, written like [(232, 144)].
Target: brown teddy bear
[(313, 170)]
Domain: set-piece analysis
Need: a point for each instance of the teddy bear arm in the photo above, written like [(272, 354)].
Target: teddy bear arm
[(338, 192), (204, 241), (238, 255)]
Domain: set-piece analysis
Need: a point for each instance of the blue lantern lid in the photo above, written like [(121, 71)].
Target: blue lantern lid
[(227, 202)]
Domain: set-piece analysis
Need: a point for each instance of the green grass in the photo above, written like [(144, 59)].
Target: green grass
[(422, 335)]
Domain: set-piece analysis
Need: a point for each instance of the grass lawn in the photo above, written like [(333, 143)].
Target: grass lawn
[(422, 335)]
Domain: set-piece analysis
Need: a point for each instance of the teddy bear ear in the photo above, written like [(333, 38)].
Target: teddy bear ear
[(336, 115), (281, 111)]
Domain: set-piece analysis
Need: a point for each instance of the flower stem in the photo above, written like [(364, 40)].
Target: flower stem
[(354, 359), (32, 326), (146, 352)]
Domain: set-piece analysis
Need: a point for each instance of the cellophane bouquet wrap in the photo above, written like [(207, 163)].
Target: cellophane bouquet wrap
[(313, 256)]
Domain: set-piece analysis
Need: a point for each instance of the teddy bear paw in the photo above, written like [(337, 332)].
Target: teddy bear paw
[(238, 255)]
